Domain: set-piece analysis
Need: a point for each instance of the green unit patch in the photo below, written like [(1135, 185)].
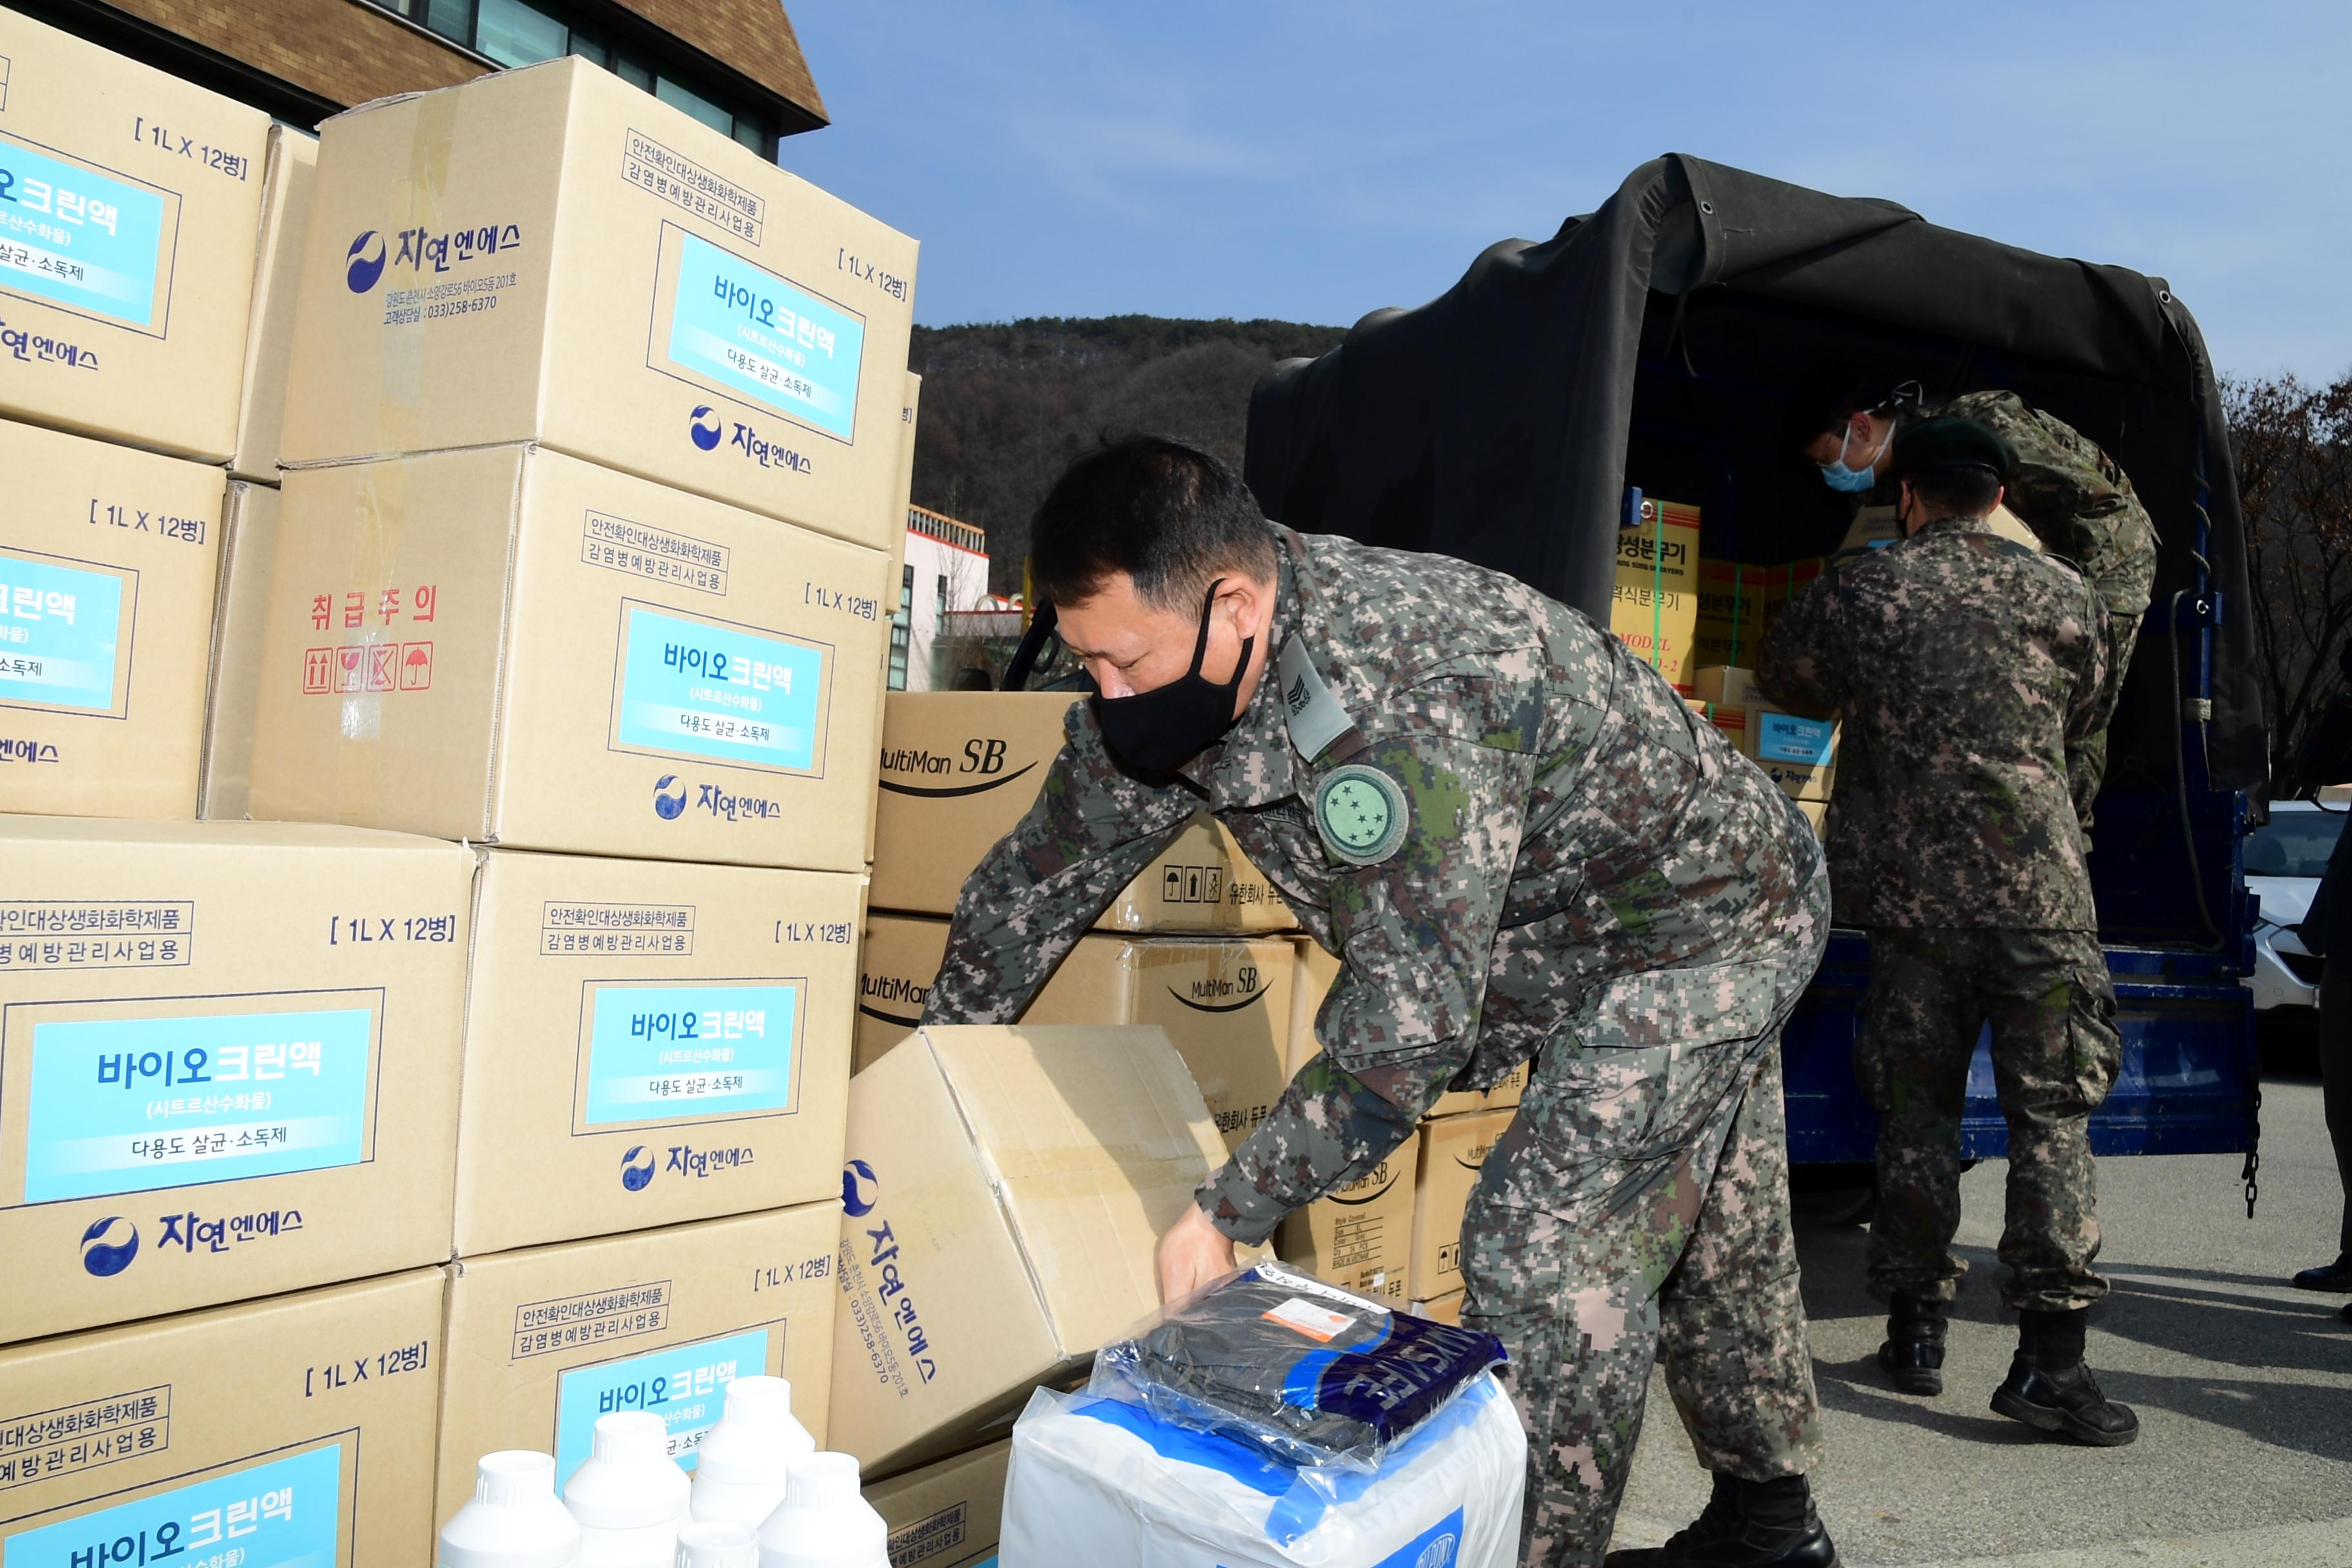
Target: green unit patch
[(1361, 814)]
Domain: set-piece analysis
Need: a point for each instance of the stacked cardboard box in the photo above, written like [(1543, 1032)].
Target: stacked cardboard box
[(1798, 751), (594, 426), (1654, 606), (1396, 1232)]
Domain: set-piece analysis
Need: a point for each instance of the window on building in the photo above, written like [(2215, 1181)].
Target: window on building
[(902, 631), (525, 32), (943, 595)]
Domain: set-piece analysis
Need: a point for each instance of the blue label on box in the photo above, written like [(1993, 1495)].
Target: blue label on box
[(1436, 1547), (131, 1105), (693, 688), (60, 635), (287, 1513), (78, 238), (1789, 738), (752, 333), (683, 1052), (686, 1385)]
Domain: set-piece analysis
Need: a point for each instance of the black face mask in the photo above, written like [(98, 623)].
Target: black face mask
[(1154, 733)]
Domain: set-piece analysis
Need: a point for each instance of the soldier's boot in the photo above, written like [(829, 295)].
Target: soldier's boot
[(1747, 1525), (1913, 1355), (2050, 1390)]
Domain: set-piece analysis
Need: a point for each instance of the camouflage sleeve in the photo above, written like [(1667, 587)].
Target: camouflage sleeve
[(2075, 497), (1091, 832), (2094, 697), (1416, 933), (1800, 661)]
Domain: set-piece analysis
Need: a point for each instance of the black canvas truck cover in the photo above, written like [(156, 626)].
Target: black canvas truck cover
[(1657, 343)]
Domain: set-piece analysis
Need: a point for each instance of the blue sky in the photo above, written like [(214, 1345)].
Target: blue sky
[(1314, 159)]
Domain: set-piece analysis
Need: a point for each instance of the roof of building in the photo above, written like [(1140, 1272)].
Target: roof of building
[(754, 37)]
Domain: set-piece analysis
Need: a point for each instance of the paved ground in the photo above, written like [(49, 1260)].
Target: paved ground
[(2243, 1387)]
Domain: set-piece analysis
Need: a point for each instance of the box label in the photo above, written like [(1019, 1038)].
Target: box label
[(686, 1385), (667, 1052), (61, 642), (134, 1104), (1790, 738), (287, 1513), (91, 242), (752, 333), (1436, 1547), (698, 688)]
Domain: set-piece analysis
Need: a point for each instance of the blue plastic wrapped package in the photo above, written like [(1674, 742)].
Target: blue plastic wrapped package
[(1312, 1375), (1105, 1483)]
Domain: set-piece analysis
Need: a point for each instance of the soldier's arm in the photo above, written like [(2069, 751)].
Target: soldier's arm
[(2085, 654), (1092, 831), (1801, 660), (1416, 933)]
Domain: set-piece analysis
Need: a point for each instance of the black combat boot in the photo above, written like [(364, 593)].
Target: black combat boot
[(1913, 1355), (1747, 1525), (2049, 1389)]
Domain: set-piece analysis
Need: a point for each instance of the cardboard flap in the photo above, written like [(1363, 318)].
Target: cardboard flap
[(1095, 1140)]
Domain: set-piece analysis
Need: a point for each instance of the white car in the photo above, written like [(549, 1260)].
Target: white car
[(2284, 860)]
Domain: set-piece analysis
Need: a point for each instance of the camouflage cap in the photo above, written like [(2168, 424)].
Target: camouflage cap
[(1949, 442)]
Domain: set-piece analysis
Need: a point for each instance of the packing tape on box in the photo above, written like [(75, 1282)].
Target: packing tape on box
[(400, 409)]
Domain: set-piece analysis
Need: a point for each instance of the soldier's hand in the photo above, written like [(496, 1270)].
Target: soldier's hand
[(1192, 1253)]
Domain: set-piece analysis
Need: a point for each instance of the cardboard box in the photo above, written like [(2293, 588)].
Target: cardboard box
[(126, 245), (1731, 611), (107, 565), (554, 255), (1817, 811), (228, 1061), (1453, 1149), (293, 1430), (1654, 609), (1875, 528), (959, 769), (524, 650), (648, 1042), (1317, 968), (233, 689), (902, 505), (1226, 1006), (1005, 1191), (946, 1515), (293, 171), (1446, 1309), (541, 1342), (1360, 1236), (1798, 751), (1787, 583)]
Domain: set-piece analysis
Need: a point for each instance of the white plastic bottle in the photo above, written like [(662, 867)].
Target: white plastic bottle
[(629, 1496), (823, 1521), (740, 1469), (515, 1520), (717, 1543)]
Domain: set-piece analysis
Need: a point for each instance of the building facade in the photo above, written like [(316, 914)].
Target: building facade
[(946, 574), (735, 64)]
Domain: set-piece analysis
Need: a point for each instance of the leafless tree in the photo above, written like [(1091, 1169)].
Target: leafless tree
[(2294, 447)]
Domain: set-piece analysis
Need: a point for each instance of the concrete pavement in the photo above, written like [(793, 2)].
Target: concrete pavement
[(2243, 1387)]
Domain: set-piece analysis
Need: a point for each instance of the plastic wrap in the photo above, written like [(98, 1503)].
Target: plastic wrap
[(1310, 1374)]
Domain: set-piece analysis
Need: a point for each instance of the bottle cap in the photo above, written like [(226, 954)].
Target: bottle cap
[(513, 1476), (717, 1543), (760, 1399), (822, 1480), (630, 1437)]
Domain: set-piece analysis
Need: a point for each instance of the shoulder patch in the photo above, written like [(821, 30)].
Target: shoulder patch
[(1360, 813), (1314, 715)]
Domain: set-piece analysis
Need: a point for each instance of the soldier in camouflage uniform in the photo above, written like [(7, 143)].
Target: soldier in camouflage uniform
[(1965, 667), (1523, 844), (2077, 499)]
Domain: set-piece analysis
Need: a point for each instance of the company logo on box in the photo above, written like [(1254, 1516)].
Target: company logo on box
[(636, 1178), (861, 1189), (364, 262), (704, 427), (668, 806), (109, 1245)]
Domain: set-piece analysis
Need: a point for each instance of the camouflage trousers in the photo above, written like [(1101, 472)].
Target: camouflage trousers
[(2055, 1056), (1615, 1221)]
